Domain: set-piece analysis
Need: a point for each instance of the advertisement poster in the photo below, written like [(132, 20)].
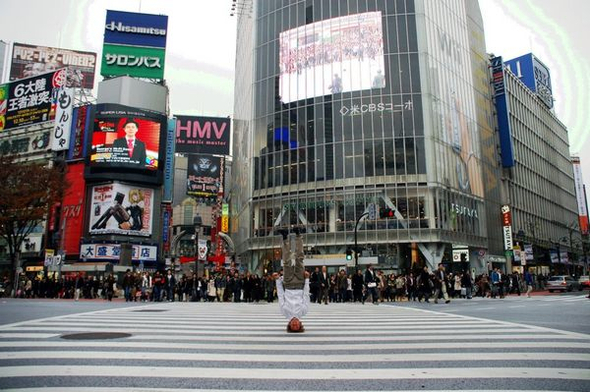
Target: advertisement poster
[(33, 60), (332, 56), (30, 101), (63, 119), (134, 45), (126, 137), (202, 135), (204, 175), (121, 209)]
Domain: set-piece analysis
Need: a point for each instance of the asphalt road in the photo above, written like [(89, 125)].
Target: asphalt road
[(222, 347), (567, 311)]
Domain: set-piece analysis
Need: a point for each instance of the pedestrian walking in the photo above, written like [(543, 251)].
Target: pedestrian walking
[(440, 284)]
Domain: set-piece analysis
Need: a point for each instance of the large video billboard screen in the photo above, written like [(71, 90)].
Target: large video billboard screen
[(127, 137), (332, 56), (203, 175), (121, 209), (202, 135), (33, 60), (29, 101)]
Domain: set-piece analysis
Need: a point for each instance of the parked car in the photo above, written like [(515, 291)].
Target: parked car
[(584, 281), (562, 283), (3, 289)]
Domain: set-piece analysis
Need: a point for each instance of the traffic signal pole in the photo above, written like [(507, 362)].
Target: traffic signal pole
[(356, 253)]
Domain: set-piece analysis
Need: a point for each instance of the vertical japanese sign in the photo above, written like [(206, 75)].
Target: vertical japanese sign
[(225, 218), (580, 196), (203, 250), (166, 223), (502, 109), (63, 119), (507, 227), (169, 162)]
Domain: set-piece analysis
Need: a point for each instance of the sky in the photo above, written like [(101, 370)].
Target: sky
[(200, 54)]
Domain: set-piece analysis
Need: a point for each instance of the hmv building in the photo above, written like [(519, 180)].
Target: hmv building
[(365, 123)]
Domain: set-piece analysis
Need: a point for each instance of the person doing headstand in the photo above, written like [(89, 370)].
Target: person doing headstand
[(293, 286)]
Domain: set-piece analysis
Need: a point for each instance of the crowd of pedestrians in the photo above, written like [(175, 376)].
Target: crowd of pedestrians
[(231, 286)]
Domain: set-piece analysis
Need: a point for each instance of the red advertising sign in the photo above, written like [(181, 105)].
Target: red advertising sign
[(506, 216), (72, 211)]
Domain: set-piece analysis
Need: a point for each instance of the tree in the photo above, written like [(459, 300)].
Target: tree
[(27, 191)]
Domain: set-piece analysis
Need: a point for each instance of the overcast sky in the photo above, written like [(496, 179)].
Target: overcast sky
[(200, 55)]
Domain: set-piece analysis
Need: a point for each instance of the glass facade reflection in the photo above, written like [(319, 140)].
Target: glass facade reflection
[(347, 107)]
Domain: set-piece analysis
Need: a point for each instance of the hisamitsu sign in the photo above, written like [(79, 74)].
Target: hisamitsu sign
[(135, 29), (202, 135)]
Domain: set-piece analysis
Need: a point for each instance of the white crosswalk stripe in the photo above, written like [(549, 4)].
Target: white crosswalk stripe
[(206, 347)]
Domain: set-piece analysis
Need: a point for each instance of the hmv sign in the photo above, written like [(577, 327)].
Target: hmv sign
[(202, 135)]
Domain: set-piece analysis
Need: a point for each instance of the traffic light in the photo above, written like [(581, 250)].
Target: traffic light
[(348, 254), (386, 212)]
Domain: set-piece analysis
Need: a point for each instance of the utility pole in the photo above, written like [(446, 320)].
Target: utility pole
[(356, 253)]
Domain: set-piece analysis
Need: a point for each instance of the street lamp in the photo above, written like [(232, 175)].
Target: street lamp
[(356, 253), (197, 222)]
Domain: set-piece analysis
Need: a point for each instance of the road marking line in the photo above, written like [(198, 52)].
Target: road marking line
[(304, 346), (277, 358), (575, 335), (154, 372)]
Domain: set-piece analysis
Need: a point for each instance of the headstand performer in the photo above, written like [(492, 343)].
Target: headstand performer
[(293, 286)]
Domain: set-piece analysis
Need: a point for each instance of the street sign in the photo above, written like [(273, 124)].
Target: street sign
[(372, 211)]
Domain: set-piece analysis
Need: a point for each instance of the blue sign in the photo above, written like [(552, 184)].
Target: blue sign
[(131, 28), (502, 110), (535, 75), (166, 225), (169, 162)]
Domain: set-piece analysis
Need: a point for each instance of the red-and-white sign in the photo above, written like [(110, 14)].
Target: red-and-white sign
[(507, 227), (580, 196)]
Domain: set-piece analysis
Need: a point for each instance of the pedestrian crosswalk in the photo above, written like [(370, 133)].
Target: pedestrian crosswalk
[(225, 346)]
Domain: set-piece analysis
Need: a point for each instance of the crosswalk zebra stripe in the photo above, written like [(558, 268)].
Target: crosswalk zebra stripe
[(219, 345), (17, 335), (268, 331), (297, 347), (315, 358), (519, 325), (295, 374)]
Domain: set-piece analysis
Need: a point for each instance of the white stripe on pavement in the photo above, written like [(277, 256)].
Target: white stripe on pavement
[(16, 335), (278, 358), (384, 338), (296, 347), (295, 374)]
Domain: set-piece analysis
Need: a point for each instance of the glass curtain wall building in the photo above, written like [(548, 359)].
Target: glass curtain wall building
[(347, 107)]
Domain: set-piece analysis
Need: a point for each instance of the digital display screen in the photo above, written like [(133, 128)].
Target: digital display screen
[(126, 137), (332, 56)]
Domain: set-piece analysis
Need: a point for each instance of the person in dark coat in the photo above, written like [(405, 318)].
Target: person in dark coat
[(130, 144), (357, 286), (324, 281)]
